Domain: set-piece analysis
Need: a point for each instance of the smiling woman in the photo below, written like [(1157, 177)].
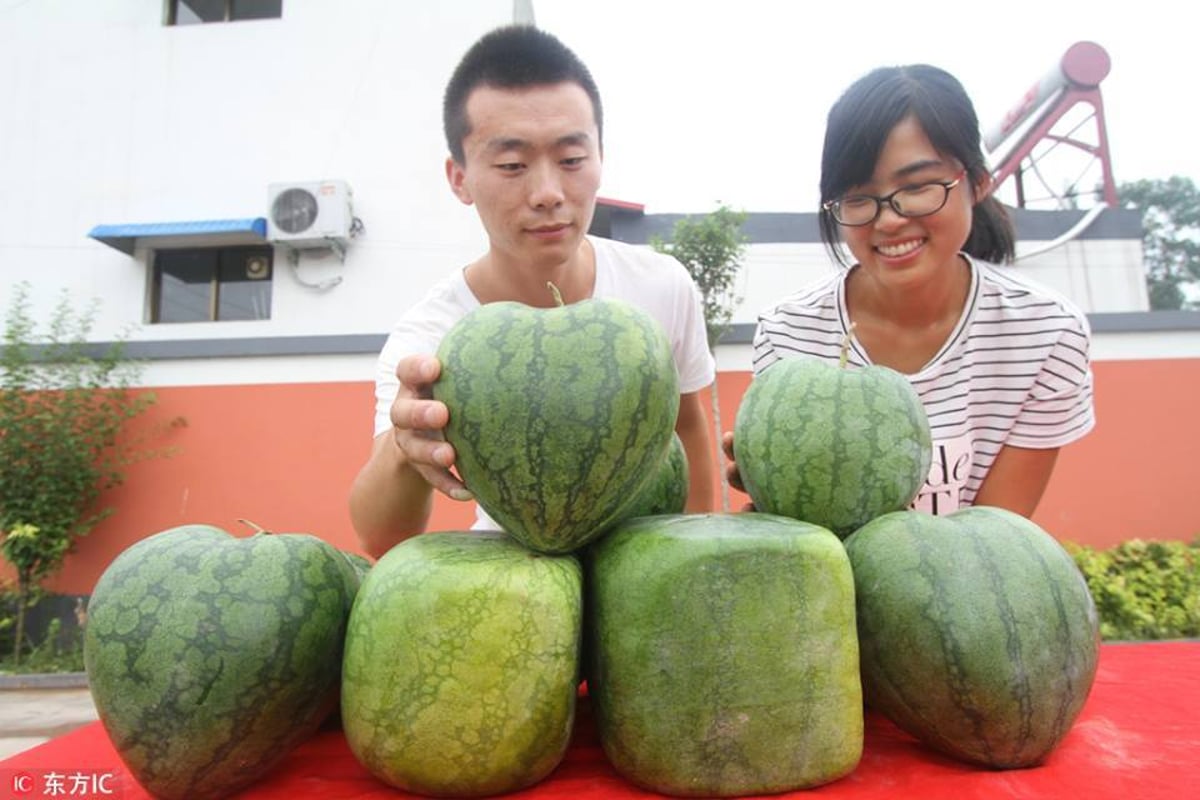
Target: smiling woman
[(1001, 365)]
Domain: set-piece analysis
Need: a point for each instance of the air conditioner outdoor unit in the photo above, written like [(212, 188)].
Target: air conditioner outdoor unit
[(310, 214)]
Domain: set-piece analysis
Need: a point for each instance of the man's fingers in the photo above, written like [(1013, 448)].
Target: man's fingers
[(432, 458), (419, 415), (417, 372), (437, 474), (421, 448), (430, 415), (442, 480)]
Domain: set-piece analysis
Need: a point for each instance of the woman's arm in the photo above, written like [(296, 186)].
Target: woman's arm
[(1017, 479)]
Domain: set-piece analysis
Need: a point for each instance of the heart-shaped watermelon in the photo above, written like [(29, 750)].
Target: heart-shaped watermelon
[(558, 415)]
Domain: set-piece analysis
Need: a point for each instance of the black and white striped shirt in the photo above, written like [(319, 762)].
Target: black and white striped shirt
[(1015, 371)]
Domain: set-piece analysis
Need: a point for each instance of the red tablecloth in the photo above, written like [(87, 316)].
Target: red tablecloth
[(1138, 737)]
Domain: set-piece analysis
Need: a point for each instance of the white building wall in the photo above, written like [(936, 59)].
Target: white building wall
[(109, 116), (1099, 275), (772, 270)]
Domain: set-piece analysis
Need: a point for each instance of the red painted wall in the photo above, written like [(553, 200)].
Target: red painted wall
[(284, 456), (1133, 476)]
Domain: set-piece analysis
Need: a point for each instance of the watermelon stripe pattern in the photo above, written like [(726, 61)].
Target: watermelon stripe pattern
[(978, 633), (182, 623), (667, 491), (557, 416), (462, 666), (829, 445), (724, 660)]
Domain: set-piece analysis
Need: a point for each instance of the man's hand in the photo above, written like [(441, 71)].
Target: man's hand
[(417, 424)]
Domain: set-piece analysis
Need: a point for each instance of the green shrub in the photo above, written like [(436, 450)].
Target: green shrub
[(52, 642), (8, 616), (1144, 590), (59, 651), (64, 410)]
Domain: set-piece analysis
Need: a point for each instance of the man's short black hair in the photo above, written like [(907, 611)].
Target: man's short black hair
[(512, 57)]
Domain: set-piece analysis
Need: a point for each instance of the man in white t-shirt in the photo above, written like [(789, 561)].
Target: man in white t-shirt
[(523, 122)]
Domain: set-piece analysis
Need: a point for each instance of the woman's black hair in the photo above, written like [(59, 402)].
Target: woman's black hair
[(863, 117)]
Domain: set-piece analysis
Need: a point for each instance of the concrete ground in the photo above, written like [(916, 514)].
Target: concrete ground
[(33, 712)]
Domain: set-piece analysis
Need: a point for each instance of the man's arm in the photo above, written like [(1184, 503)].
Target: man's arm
[(1017, 479), (389, 501), (392, 495), (692, 427)]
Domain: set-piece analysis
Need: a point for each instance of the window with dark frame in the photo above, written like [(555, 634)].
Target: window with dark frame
[(196, 12), (211, 284)]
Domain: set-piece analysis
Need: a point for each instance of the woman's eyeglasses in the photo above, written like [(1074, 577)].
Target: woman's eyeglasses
[(921, 200)]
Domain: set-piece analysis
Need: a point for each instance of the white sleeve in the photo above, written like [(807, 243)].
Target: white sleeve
[(403, 341), (1060, 407), (697, 367), (661, 286), (420, 330)]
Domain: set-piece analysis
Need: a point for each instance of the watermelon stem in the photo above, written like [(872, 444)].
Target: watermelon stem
[(254, 526), (844, 356), (558, 301)]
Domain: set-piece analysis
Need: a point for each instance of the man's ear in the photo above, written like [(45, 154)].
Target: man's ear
[(456, 176)]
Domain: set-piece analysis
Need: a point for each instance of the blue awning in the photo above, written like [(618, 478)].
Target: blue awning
[(192, 233)]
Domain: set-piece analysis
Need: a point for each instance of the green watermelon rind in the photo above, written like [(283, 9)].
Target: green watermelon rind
[(462, 664), (667, 490), (359, 563), (209, 662), (835, 446), (557, 416), (723, 654), (978, 633)]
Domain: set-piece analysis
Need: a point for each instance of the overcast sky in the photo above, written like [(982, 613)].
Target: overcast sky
[(709, 102)]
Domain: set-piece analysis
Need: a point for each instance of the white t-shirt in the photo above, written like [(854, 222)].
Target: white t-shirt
[(656, 283), (1016, 370)]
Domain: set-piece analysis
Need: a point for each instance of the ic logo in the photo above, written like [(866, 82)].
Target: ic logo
[(22, 784)]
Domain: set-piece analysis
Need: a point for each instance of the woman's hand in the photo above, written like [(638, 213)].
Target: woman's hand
[(732, 475)]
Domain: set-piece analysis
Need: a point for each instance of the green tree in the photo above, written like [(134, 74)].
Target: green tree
[(1170, 238), (62, 409), (712, 248)]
